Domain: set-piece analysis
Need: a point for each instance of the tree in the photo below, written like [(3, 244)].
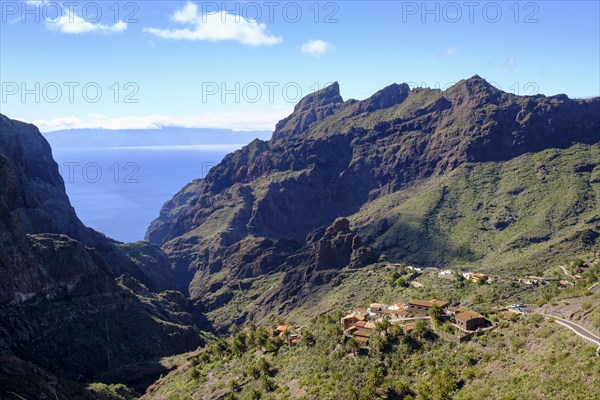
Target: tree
[(436, 313), (421, 330), (383, 326), (221, 347), (309, 338), (396, 331), (255, 394), (353, 346), (264, 366), (268, 384), (399, 390), (444, 384), (393, 276), (237, 345), (195, 373), (233, 330), (253, 371), (578, 263), (273, 344), (375, 376), (377, 343), (261, 337)]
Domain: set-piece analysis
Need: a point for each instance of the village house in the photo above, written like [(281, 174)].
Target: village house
[(446, 272), (361, 311), (361, 331), (532, 280), (398, 313), (362, 338), (397, 310), (475, 277), (440, 303), (422, 307), (452, 311), (418, 307), (280, 330), (409, 327), (377, 308), (470, 321), (351, 319), (414, 269), (364, 326), (563, 283), (294, 339)]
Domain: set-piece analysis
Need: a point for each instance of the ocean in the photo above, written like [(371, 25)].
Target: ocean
[(120, 190)]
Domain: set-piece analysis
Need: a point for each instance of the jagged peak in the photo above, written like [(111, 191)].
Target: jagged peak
[(473, 88), (309, 110), (328, 95), (387, 97), (475, 84)]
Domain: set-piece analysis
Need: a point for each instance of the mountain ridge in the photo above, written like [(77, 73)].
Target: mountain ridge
[(330, 158)]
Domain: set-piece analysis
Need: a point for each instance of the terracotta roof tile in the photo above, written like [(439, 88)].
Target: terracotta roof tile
[(468, 315)]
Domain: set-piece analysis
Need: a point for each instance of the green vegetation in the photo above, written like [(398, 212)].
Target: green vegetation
[(528, 357), (102, 391), (498, 217)]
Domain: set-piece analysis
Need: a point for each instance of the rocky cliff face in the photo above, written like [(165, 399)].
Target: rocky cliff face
[(40, 205), (332, 158), (60, 306), (40, 201)]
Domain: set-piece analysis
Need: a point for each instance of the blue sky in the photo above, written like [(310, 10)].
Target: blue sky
[(201, 64)]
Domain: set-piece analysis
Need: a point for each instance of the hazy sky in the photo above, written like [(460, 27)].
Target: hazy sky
[(244, 65)]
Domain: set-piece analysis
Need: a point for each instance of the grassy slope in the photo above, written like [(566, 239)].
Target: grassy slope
[(520, 215)]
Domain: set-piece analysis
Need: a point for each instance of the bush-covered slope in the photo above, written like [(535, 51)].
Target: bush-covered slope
[(526, 357), (523, 215)]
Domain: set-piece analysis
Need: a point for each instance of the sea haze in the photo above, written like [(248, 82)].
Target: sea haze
[(118, 183)]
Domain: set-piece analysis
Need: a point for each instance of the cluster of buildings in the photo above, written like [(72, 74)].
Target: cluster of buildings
[(356, 325), (470, 276), (535, 281), (476, 277), (360, 323), (448, 272), (286, 332)]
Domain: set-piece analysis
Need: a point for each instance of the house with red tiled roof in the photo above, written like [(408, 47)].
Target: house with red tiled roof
[(351, 319), (422, 307), (452, 311), (364, 326), (470, 320), (280, 330), (361, 311)]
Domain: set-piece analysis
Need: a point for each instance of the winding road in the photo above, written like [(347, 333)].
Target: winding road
[(579, 330)]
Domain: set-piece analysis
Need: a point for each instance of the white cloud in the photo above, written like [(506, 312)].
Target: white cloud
[(511, 61), (451, 52), (239, 120), (316, 48), (74, 24), (217, 26)]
